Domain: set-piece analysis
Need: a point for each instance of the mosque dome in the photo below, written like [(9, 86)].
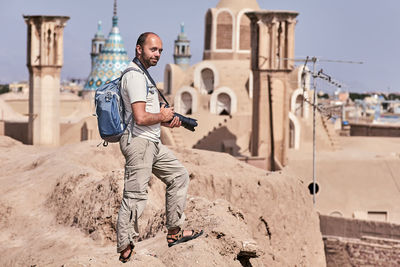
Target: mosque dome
[(111, 61)]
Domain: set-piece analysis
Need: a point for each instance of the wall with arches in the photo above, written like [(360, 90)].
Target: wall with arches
[(298, 106), (227, 34)]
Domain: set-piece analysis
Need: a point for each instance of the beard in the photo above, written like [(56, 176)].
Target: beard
[(150, 61), (153, 61)]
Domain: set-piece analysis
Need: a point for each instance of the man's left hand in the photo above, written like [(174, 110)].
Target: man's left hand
[(174, 123)]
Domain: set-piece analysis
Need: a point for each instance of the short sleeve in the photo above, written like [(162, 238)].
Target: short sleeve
[(135, 85)]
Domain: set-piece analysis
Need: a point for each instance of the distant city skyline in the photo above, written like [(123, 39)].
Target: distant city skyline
[(341, 30)]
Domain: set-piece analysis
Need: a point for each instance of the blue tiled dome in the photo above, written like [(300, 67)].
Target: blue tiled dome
[(113, 59)]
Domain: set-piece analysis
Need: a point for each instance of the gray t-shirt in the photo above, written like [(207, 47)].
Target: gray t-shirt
[(136, 87)]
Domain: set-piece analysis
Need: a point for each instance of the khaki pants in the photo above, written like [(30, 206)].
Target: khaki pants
[(144, 157)]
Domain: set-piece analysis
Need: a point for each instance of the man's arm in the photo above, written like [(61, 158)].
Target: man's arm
[(145, 118)]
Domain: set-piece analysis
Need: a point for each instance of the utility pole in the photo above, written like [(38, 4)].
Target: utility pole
[(314, 60), (314, 104)]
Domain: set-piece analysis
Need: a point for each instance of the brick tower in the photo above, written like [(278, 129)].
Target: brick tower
[(44, 62)]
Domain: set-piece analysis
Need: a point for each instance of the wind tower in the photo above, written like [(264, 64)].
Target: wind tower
[(111, 61), (44, 62), (97, 44), (182, 49), (272, 44)]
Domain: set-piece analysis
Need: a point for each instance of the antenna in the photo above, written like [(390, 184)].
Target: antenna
[(320, 74)]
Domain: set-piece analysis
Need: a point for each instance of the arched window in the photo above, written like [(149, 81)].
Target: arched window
[(244, 39), (207, 39), (186, 100), (186, 103), (207, 80), (291, 134), (223, 104), (299, 106), (224, 30), (294, 131)]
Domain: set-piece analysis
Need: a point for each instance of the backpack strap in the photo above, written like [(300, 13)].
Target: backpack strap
[(128, 70), (140, 65), (147, 92), (134, 69)]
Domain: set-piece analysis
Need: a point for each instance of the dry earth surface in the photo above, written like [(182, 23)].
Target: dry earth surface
[(59, 206)]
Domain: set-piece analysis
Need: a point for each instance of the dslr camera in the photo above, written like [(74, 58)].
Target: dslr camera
[(187, 122)]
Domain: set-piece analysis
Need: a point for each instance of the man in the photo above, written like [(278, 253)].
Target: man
[(144, 153)]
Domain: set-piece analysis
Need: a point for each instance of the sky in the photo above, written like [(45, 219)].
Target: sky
[(344, 30)]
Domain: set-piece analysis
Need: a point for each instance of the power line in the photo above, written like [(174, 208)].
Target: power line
[(327, 78)]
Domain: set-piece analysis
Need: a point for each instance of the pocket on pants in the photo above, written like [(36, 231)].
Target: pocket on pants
[(135, 152), (130, 179), (136, 178)]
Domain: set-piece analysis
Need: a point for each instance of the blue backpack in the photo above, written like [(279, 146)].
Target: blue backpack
[(110, 110)]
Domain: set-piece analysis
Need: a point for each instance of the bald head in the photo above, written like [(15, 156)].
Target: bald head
[(143, 37), (148, 49)]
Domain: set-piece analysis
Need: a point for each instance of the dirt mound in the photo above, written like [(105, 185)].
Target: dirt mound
[(92, 205), (68, 198)]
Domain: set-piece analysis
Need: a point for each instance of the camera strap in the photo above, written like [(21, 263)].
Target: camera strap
[(140, 65)]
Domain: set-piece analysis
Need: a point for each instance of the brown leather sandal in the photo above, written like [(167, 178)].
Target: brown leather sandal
[(125, 260), (174, 239)]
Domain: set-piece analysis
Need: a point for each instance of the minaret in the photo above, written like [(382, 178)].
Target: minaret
[(97, 44), (44, 62), (272, 44), (182, 49)]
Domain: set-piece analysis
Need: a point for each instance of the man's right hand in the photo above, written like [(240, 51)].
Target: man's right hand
[(166, 114)]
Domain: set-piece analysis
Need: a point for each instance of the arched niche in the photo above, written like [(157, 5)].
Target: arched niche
[(243, 33), (223, 104), (207, 80), (186, 103), (294, 132), (223, 99), (224, 29), (206, 77), (298, 108), (208, 30), (297, 104), (186, 100)]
